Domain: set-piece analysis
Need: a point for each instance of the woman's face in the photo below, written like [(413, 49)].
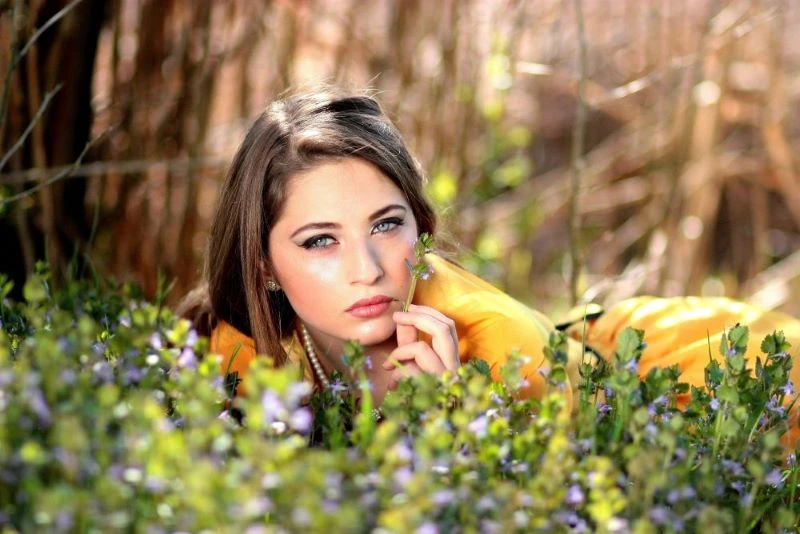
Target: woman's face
[(339, 251)]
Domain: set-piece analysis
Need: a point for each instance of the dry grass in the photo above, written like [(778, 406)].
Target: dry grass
[(688, 178)]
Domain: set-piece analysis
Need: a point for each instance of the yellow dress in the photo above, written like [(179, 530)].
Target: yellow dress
[(491, 325)]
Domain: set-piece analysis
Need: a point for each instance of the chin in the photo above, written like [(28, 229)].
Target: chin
[(373, 334)]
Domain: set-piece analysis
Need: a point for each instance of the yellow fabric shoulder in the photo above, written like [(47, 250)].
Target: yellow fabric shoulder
[(491, 324)]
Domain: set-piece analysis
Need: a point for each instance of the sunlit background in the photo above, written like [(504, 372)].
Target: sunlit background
[(685, 155)]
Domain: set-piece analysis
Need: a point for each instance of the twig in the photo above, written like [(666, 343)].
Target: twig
[(60, 176), (45, 102), (55, 18), (16, 58), (100, 168), (578, 134)]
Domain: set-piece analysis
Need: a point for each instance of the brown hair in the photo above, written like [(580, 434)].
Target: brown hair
[(293, 135)]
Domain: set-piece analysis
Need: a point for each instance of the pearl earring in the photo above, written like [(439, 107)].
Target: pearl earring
[(273, 286)]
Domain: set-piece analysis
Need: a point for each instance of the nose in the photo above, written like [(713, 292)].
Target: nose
[(364, 263)]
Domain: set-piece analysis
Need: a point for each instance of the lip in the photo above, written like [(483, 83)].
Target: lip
[(370, 307)]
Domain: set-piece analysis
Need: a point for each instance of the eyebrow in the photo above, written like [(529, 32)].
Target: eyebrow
[(327, 225)]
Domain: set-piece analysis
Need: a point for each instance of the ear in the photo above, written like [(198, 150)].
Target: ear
[(264, 271)]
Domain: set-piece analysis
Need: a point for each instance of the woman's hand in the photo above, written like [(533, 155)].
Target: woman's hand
[(414, 356)]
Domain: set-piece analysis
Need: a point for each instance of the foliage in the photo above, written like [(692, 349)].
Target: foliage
[(113, 416)]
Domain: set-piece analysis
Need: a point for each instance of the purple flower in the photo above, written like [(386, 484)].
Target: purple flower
[(427, 528), (301, 420), (714, 404), (774, 407), (272, 406), (368, 363), (673, 496), (442, 497), (403, 476), (788, 389), (404, 452), (64, 521), (659, 515), (574, 495), (774, 478), (6, 378), (296, 393), (632, 365), (603, 408), (330, 506), (102, 370), (187, 359), (68, 377), (38, 404), (485, 503), (155, 341), (425, 274), (192, 338), (479, 426), (337, 386)]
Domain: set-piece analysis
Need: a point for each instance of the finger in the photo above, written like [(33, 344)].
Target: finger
[(420, 353), (406, 334), (444, 338)]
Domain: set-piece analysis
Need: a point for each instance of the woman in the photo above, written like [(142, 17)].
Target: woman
[(309, 248)]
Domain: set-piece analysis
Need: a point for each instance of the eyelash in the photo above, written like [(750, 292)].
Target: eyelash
[(311, 242)]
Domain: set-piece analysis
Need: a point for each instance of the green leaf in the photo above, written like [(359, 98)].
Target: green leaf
[(728, 394), (629, 344)]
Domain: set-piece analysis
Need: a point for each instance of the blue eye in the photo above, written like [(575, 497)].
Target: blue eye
[(318, 241), (387, 225)]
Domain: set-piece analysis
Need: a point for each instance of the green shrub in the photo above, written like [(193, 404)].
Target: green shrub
[(114, 417)]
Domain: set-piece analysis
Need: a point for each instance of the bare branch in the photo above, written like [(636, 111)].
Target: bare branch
[(577, 162), (101, 168), (60, 176), (35, 37), (45, 102)]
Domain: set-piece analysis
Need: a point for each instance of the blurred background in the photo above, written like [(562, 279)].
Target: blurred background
[(677, 119)]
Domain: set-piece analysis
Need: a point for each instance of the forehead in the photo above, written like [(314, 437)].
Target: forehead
[(342, 186)]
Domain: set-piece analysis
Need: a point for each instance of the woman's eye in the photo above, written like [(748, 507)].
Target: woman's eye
[(386, 225), (318, 241)]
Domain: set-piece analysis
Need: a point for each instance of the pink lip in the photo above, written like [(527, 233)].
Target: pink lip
[(371, 307)]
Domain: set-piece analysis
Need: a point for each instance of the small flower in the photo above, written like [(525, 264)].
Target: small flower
[(297, 392), (659, 515), (187, 359), (272, 406), (155, 341), (301, 420), (403, 476), (192, 338), (479, 426), (788, 389), (442, 497), (427, 528), (774, 478), (485, 503), (714, 404), (575, 496), (603, 408), (774, 406), (338, 386)]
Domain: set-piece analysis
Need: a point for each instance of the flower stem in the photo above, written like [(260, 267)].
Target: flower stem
[(410, 293)]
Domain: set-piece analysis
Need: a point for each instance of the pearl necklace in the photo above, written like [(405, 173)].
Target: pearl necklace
[(312, 357), (317, 367)]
